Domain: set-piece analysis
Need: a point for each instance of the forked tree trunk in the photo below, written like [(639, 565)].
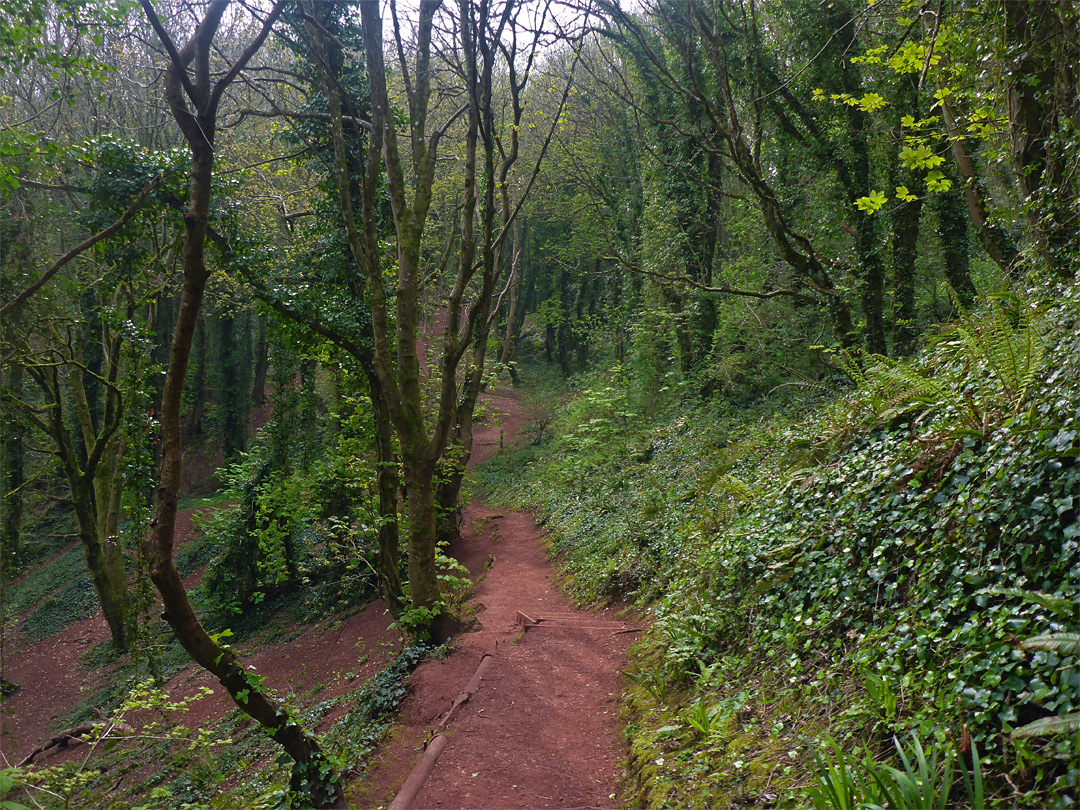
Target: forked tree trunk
[(312, 774)]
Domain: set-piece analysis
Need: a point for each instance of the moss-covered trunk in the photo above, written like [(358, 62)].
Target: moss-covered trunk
[(104, 558)]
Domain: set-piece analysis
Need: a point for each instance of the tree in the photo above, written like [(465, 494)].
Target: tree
[(711, 113), (91, 462), (194, 98), (407, 160), (76, 361)]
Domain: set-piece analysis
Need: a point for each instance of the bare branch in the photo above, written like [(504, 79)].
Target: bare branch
[(179, 63), (245, 57)]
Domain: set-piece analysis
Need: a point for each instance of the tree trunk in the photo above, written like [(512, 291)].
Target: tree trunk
[(105, 560), (312, 773), (262, 364), (955, 246), (510, 335), (1042, 93), (423, 583), (905, 241), (12, 474), (198, 408), (388, 568)]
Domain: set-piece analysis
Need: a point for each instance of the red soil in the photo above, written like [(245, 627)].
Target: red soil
[(540, 732), (337, 654)]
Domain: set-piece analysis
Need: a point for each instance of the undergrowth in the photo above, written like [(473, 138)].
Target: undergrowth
[(856, 565), (198, 767)]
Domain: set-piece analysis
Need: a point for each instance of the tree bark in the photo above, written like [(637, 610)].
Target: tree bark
[(262, 364), (12, 474), (91, 474), (198, 408), (955, 246), (905, 238), (311, 773), (510, 333), (1042, 93)]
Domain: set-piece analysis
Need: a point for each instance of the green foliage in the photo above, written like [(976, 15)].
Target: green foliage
[(316, 530), (864, 563), (363, 727), (920, 784), (978, 378), (51, 597), (148, 722)]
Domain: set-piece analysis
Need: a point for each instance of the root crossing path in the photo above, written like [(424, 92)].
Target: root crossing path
[(540, 729)]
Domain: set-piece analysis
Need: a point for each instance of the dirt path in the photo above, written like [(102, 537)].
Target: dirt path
[(541, 729)]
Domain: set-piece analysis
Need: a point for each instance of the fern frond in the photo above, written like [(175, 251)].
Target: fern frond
[(1059, 605), (1060, 643), (1050, 726)]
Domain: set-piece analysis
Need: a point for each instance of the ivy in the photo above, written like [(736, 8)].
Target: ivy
[(864, 558)]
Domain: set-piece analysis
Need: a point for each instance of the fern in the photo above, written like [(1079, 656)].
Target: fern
[(1060, 606), (1012, 357), (1049, 727), (1060, 643)]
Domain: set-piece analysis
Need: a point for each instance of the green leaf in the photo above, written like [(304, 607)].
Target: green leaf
[(1060, 643), (871, 203), (936, 181), (1049, 727), (871, 102), (1058, 605)]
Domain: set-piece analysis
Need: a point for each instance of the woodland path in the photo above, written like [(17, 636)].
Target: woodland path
[(541, 729), (539, 732)]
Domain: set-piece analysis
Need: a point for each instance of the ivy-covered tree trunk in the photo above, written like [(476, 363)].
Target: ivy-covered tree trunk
[(89, 464), (198, 407), (905, 246), (955, 246), (1043, 42), (12, 474), (905, 239), (105, 559), (506, 354), (233, 407), (388, 481), (870, 269), (262, 364)]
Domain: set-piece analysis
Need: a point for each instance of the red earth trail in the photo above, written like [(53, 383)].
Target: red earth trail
[(541, 730)]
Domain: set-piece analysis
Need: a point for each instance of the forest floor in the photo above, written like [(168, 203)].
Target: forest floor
[(540, 731)]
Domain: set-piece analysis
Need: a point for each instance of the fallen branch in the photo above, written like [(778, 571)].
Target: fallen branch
[(74, 734)]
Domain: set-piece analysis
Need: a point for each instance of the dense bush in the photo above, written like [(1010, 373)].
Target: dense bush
[(315, 528)]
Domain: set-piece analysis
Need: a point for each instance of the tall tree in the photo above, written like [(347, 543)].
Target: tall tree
[(714, 115), (194, 92), (408, 160)]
